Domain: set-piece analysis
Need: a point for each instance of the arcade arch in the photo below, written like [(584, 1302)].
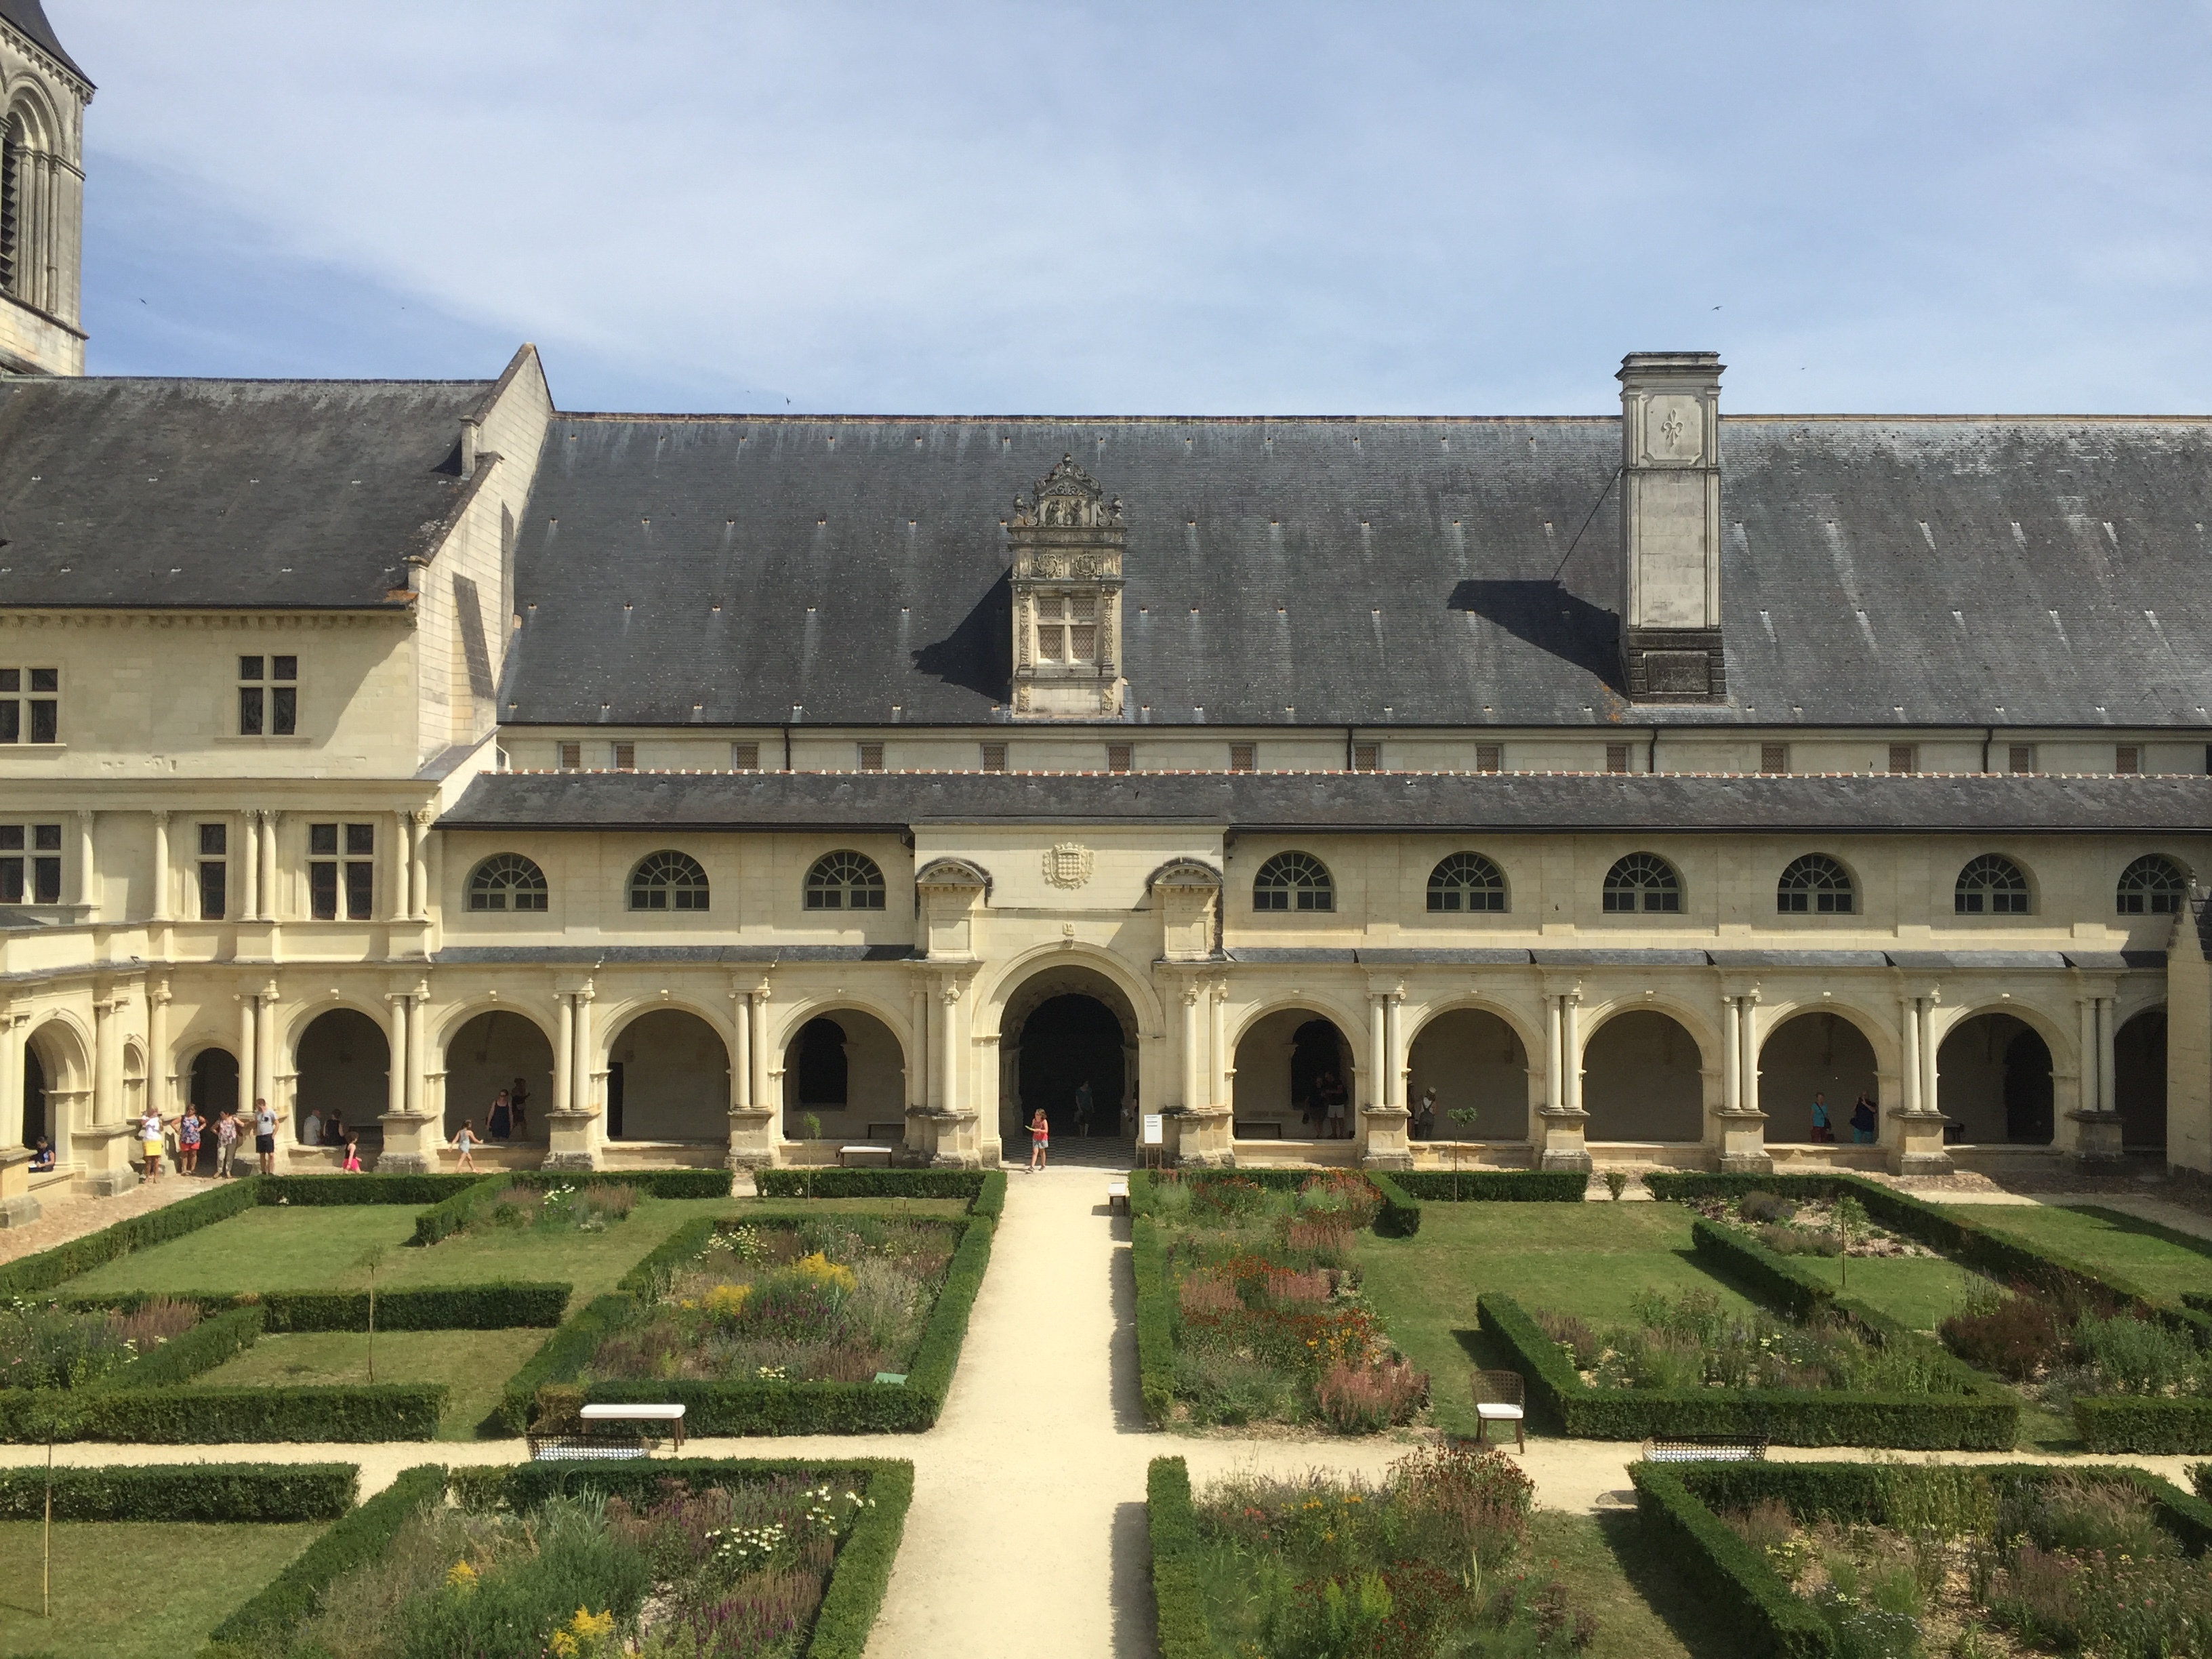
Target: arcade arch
[(1993, 1081), (55, 1061), (846, 1067), (668, 1079), (211, 1084), (1643, 1080), (495, 1050), (1060, 1029), (1292, 1064), (1817, 1052), (340, 1064), (1471, 1058)]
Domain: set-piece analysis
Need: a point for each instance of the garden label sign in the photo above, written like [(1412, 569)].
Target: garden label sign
[(1154, 1133)]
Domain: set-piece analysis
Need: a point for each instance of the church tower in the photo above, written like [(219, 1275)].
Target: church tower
[(1066, 579), (1671, 527), (43, 94)]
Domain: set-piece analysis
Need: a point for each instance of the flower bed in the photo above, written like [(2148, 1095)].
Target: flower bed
[(1432, 1560), (43, 1345), (1824, 1224), (834, 1299), (1887, 1559), (1249, 1307)]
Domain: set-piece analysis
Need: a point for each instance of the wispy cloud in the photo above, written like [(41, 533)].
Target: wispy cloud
[(969, 207)]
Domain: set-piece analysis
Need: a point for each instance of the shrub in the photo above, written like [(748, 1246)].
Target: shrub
[(875, 1183), (491, 1306), (183, 1492), (2015, 1336), (2136, 1356), (1179, 1603), (1217, 1198), (1765, 1206), (359, 1188), (1573, 1335), (200, 1347), (1363, 1399), (204, 1415), (450, 1215), (1800, 1241), (1494, 1186), (2130, 1423)]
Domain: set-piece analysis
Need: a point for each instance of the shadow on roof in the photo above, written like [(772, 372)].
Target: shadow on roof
[(1550, 618), (977, 655)]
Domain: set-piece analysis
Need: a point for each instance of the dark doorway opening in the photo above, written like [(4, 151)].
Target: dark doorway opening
[(35, 1125), (214, 1087), (1318, 1075), (2027, 1090), (2139, 1081), (822, 1079), (1067, 1042), (614, 1100)]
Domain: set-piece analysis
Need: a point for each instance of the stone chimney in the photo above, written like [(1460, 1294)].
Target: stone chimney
[(1671, 527)]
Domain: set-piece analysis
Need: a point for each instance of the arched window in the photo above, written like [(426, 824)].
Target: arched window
[(506, 881), (2152, 885), (1466, 881), (1991, 885), (668, 881), (844, 881), (1817, 883), (1643, 881), (1293, 881)]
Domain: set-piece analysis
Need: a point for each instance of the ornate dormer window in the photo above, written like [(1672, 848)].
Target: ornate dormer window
[(1066, 548)]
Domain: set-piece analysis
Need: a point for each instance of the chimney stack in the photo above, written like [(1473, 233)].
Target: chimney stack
[(1671, 527)]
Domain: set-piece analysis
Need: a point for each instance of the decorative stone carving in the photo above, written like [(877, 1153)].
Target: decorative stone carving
[(1067, 865), (1066, 551)]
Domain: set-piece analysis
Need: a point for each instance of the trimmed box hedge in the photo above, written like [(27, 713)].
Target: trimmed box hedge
[(296, 1594), (181, 1358), (1495, 1186), (488, 1307), (183, 1492), (863, 1569), (1179, 1604), (1156, 1367), (449, 1215), (873, 1183), (1680, 1505), (337, 1190), (1986, 1419), (43, 1271), (2137, 1423), (205, 1415), (750, 1407), (1399, 1217)]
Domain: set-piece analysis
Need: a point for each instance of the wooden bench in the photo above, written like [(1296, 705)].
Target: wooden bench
[(1117, 1195), (863, 1157), (612, 1431), (1718, 1450)]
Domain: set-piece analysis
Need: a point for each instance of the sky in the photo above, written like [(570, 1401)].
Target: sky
[(1199, 207)]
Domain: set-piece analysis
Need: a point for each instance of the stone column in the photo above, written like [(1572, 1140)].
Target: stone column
[(1224, 1066), (402, 862), (1384, 1142), (410, 1138), (1194, 1065), (1564, 1120), (245, 1052), (1743, 1125), (160, 911), (1919, 1148), (17, 1207), (248, 907), (158, 1076), (564, 1050), (419, 877), (569, 1133), (752, 1127), (916, 1148), (955, 1137), (762, 1094), (418, 1017), (87, 867), (101, 1140), (264, 1049), (267, 883), (2096, 1123)]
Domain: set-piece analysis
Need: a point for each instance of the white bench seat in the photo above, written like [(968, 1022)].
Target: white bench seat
[(1117, 1194), (864, 1155), (1496, 1411), (638, 1412)]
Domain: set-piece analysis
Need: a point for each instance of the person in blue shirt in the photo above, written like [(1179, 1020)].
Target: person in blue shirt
[(1821, 1131)]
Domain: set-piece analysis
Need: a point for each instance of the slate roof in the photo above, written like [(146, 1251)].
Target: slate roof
[(28, 17), (1336, 802), (1876, 570), (267, 494)]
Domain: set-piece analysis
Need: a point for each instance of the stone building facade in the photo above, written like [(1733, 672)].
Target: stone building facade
[(743, 787)]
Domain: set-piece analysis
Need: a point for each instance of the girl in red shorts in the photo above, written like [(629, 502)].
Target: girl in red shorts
[(1040, 1138)]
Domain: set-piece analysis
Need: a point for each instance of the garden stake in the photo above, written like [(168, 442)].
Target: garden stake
[(1464, 1116), (46, 1562), (1849, 1217), (372, 1259), (813, 1133)]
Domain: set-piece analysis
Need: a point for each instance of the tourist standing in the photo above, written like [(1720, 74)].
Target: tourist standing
[(311, 1132), (188, 1137), (1863, 1121), (1424, 1116), (1338, 1119), (264, 1136), (1040, 1138), (518, 1098), (1083, 1108), (502, 1120), (1820, 1129), (226, 1141), (149, 1138), (465, 1141)]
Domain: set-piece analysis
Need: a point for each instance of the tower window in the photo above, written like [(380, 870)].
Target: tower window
[(1904, 757), (625, 757), (1120, 758), (268, 696), (668, 881), (37, 717), (871, 758), (1991, 885), (994, 757), (329, 871), (844, 880), (1367, 757), (572, 757), (1815, 884), (2127, 758), (1774, 757), (744, 757), (1490, 758), (506, 881), (1293, 881), (215, 871), (2152, 886), (1616, 757), (2020, 758), (1466, 881), (1068, 628), (1643, 881), (30, 864), (1244, 757)]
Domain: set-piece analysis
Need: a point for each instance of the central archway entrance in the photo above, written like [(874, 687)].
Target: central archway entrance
[(1067, 1044)]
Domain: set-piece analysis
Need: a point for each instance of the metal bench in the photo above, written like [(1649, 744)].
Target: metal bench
[(1117, 1195), (1500, 1397), (1716, 1449), (611, 1432)]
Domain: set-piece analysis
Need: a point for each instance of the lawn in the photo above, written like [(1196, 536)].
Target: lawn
[(318, 1248), (1918, 1292), (2154, 1258), (474, 1365), (1588, 1259), (128, 1590), (1611, 1569)]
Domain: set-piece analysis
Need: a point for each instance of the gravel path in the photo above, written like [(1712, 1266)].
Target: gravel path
[(67, 1215), (1027, 1533)]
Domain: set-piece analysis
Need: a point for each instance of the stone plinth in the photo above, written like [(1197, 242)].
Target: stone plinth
[(1199, 1137), (1564, 1147), (571, 1140), (410, 1144), (2097, 1143), (1919, 1150), (1384, 1143), (1743, 1142), (751, 1145)]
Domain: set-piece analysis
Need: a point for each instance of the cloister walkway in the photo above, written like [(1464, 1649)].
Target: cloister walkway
[(1027, 1533)]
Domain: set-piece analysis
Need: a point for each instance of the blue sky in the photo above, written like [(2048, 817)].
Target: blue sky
[(1201, 208)]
